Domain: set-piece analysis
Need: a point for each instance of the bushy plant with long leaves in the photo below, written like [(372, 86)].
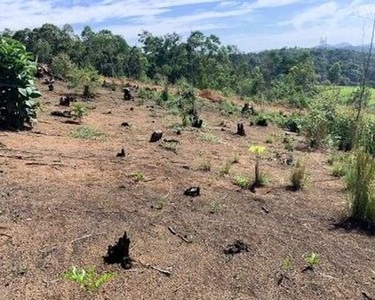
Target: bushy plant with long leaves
[(18, 93)]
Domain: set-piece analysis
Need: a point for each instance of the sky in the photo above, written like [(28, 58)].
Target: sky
[(252, 25)]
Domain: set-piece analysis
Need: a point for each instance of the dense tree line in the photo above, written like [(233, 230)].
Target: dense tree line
[(201, 60)]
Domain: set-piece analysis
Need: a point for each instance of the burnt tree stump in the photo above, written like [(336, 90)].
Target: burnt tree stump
[(262, 122), (65, 101), (156, 136), (241, 129), (121, 153), (128, 94), (50, 87), (193, 192), (119, 253), (248, 110), (62, 114), (196, 122)]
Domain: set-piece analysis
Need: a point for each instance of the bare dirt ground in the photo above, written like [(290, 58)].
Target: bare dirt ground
[(64, 200)]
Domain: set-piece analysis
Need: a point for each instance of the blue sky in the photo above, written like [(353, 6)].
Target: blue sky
[(252, 25)]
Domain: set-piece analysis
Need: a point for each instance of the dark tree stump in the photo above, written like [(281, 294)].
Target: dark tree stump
[(241, 129), (345, 146), (128, 94), (193, 192), (119, 253), (121, 153), (125, 124), (196, 122), (262, 122), (50, 87), (156, 136), (65, 101)]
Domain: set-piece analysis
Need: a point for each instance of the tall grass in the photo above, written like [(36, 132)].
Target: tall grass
[(298, 176), (360, 178)]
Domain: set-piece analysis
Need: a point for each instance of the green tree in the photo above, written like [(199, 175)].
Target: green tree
[(334, 74), (17, 90)]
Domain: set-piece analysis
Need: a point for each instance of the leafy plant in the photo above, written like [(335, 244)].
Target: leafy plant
[(258, 151), (18, 93), (87, 133), (242, 181), (312, 260), (90, 280), (298, 176), (162, 202), (79, 111)]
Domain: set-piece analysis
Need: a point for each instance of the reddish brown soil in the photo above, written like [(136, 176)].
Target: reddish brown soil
[(64, 200)]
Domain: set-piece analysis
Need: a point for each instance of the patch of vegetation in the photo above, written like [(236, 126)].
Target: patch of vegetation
[(287, 264), (209, 137), (312, 260), (89, 280), (87, 133), (360, 178), (61, 65), (137, 176), (242, 181), (18, 103), (162, 202), (169, 146), (215, 207), (298, 176), (260, 178), (205, 166), (225, 169), (79, 111), (86, 79)]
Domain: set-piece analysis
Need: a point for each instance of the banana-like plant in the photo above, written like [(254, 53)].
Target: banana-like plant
[(17, 90)]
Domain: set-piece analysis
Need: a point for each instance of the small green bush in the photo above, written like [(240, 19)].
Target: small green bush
[(225, 169), (90, 280), (298, 176), (86, 79), (312, 260), (79, 111), (61, 65), (242, 181)]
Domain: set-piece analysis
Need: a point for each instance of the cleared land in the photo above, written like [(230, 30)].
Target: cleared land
[(65, 199)]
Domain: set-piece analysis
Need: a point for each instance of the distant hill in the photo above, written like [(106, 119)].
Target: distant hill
[(344, 46)]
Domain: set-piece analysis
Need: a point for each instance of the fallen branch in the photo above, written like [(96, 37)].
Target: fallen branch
[(164, 272), (86, 237), (179, 235)]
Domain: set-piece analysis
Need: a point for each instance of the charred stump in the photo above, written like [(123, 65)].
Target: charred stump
[(236, 248), (156, 136), (119, 253), (196, 122), (62, 114), (121, 153), (248, 110), (128, 94), (50, 87), (240, 129), (193, 192), (262, 122), (65, 101)]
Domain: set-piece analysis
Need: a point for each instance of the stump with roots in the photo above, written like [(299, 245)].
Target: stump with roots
[(119, 253), (50, 87), (241, 129), (121, 153), (156, 136), (196, 122)]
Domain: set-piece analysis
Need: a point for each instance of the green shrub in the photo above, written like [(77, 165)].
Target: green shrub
[(61, 65), (359, 180), (242, 181), (214, 207), (18, 92), (312, 260), (86, 79), (298, 176), (90, 280), (79, 111), (137, 176)]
